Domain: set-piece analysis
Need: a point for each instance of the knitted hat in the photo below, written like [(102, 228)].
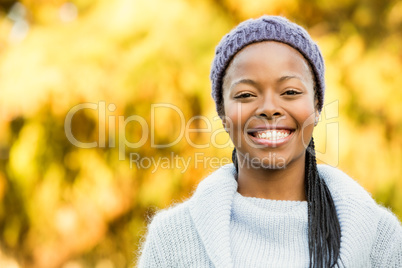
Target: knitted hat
[(266, 28)]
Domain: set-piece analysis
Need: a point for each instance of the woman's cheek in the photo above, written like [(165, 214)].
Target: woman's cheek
[(234, 121), (308, 126)]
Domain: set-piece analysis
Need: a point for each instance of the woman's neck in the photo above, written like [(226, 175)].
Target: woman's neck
[(276, 184)]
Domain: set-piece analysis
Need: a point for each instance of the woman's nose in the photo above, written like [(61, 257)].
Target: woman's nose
[(269, 107)]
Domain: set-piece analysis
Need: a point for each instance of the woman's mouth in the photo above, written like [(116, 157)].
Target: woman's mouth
[(272, 134), (271, 137)]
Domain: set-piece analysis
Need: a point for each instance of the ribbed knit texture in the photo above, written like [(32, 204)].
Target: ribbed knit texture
[(217, 227), (262, 230), (266, 28)]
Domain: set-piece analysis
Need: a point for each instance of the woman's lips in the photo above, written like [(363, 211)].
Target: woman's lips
[(271, 137)]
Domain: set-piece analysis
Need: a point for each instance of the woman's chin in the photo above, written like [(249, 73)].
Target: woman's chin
[(275, 164), (268, 162)]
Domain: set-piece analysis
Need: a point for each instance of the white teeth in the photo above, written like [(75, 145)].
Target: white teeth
[(273, 134)]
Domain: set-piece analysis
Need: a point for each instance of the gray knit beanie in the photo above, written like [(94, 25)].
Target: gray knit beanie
[(266, 28)]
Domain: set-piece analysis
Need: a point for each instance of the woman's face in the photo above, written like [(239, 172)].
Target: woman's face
[(269, 105)]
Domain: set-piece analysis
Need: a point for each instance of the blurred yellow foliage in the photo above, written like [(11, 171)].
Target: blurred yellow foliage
[(143, 67)]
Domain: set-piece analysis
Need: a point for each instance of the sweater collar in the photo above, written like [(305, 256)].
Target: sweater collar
[(210, 209)]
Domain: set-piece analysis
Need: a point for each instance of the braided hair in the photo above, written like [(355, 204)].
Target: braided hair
[(324, 232)]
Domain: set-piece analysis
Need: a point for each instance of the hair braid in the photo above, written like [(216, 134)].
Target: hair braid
[(324, 232), (234, 160)]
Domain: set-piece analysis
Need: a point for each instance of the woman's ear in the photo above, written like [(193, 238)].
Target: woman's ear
[(317, 117)]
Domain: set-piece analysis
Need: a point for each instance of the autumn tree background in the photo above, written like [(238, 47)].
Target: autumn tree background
[(104, 63)]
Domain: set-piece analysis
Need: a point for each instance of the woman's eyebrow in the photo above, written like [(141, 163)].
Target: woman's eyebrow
[(287, 77), (244, 81)]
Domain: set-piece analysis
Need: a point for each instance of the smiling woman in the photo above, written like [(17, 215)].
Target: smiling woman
[(274, 207), (268, 90)]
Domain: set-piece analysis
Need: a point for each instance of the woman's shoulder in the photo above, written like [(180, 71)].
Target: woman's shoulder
[(347, 192), (168, 224), (175, 215), (172, 240), (353, 203), (343, 186), (369, 230), (213, 187)]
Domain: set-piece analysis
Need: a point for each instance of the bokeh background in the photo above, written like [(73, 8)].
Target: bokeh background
[(62, 205)]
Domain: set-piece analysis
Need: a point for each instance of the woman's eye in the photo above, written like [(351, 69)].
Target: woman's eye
[(292, 92), (243, 96)]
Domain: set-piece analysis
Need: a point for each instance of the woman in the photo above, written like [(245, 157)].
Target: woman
[(274, 207)]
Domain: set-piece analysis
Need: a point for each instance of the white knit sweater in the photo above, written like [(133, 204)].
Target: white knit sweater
[(217, 227)]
